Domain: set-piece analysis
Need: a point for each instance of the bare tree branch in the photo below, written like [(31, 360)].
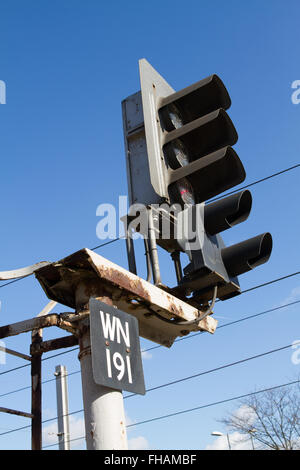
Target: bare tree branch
[(271, 418)]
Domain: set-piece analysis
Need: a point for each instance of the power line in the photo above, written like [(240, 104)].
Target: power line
[(154, 347), (270, 282), (239, 320), (180, 339), (69, 440), (15, 368), (196, 408), (220, 197), (256, 182), (43, 383), (214, 199), (216, 369), (249, 317), (108, 243), (44, 359), (95, 248), (11, 282)]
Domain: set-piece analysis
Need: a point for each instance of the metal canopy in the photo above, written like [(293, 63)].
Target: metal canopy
[(60, 281)]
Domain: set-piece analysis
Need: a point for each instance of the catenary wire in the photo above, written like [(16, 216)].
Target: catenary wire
[(248, 290), (215, 369), (214, 199), (44, 359), (225, 366), (201, 407), (227, 400), (70, 350), (256, 182), (249, 317)]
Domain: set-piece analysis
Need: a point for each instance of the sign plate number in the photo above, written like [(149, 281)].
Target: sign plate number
[(115, 345)]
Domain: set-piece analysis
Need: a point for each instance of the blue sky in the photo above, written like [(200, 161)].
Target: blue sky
[(67, 66)]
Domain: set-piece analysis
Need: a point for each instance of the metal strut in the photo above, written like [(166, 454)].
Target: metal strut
[(153, 248)]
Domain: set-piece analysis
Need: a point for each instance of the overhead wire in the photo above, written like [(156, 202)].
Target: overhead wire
[(228, 324), (196, 408), (249, 317), (214, 199), (43, 359), (256, 182), (186, 337), (226, 400), (216, 369)]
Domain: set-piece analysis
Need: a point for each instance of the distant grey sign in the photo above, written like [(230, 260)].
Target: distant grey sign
[(115, 345)]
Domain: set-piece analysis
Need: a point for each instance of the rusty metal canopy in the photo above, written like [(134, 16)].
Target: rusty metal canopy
[(60, 281)]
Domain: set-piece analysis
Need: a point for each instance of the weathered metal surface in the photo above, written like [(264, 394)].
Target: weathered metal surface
[(16, 412), (129, 292), (28, 325), (53, 344), (22, 272), (36, 393), (45, 321), (63, 425), (15, 353)]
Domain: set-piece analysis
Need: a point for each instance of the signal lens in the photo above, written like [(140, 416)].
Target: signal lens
[(176, 154), (171, 117), (186, 192), (180, 153), (175, 116)]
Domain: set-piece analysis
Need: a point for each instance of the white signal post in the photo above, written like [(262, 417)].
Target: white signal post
[(104, 415), (62, 407), (103, 408)]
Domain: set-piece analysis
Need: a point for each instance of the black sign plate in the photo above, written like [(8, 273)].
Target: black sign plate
[(115, 345)]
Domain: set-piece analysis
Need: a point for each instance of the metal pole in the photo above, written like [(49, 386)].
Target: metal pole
[(103, 407), (62, 408), (129, 247), (130, 253), (178, 270), (153, 247), (228, 440), (36, 393), (148, 260), (252, 441)]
